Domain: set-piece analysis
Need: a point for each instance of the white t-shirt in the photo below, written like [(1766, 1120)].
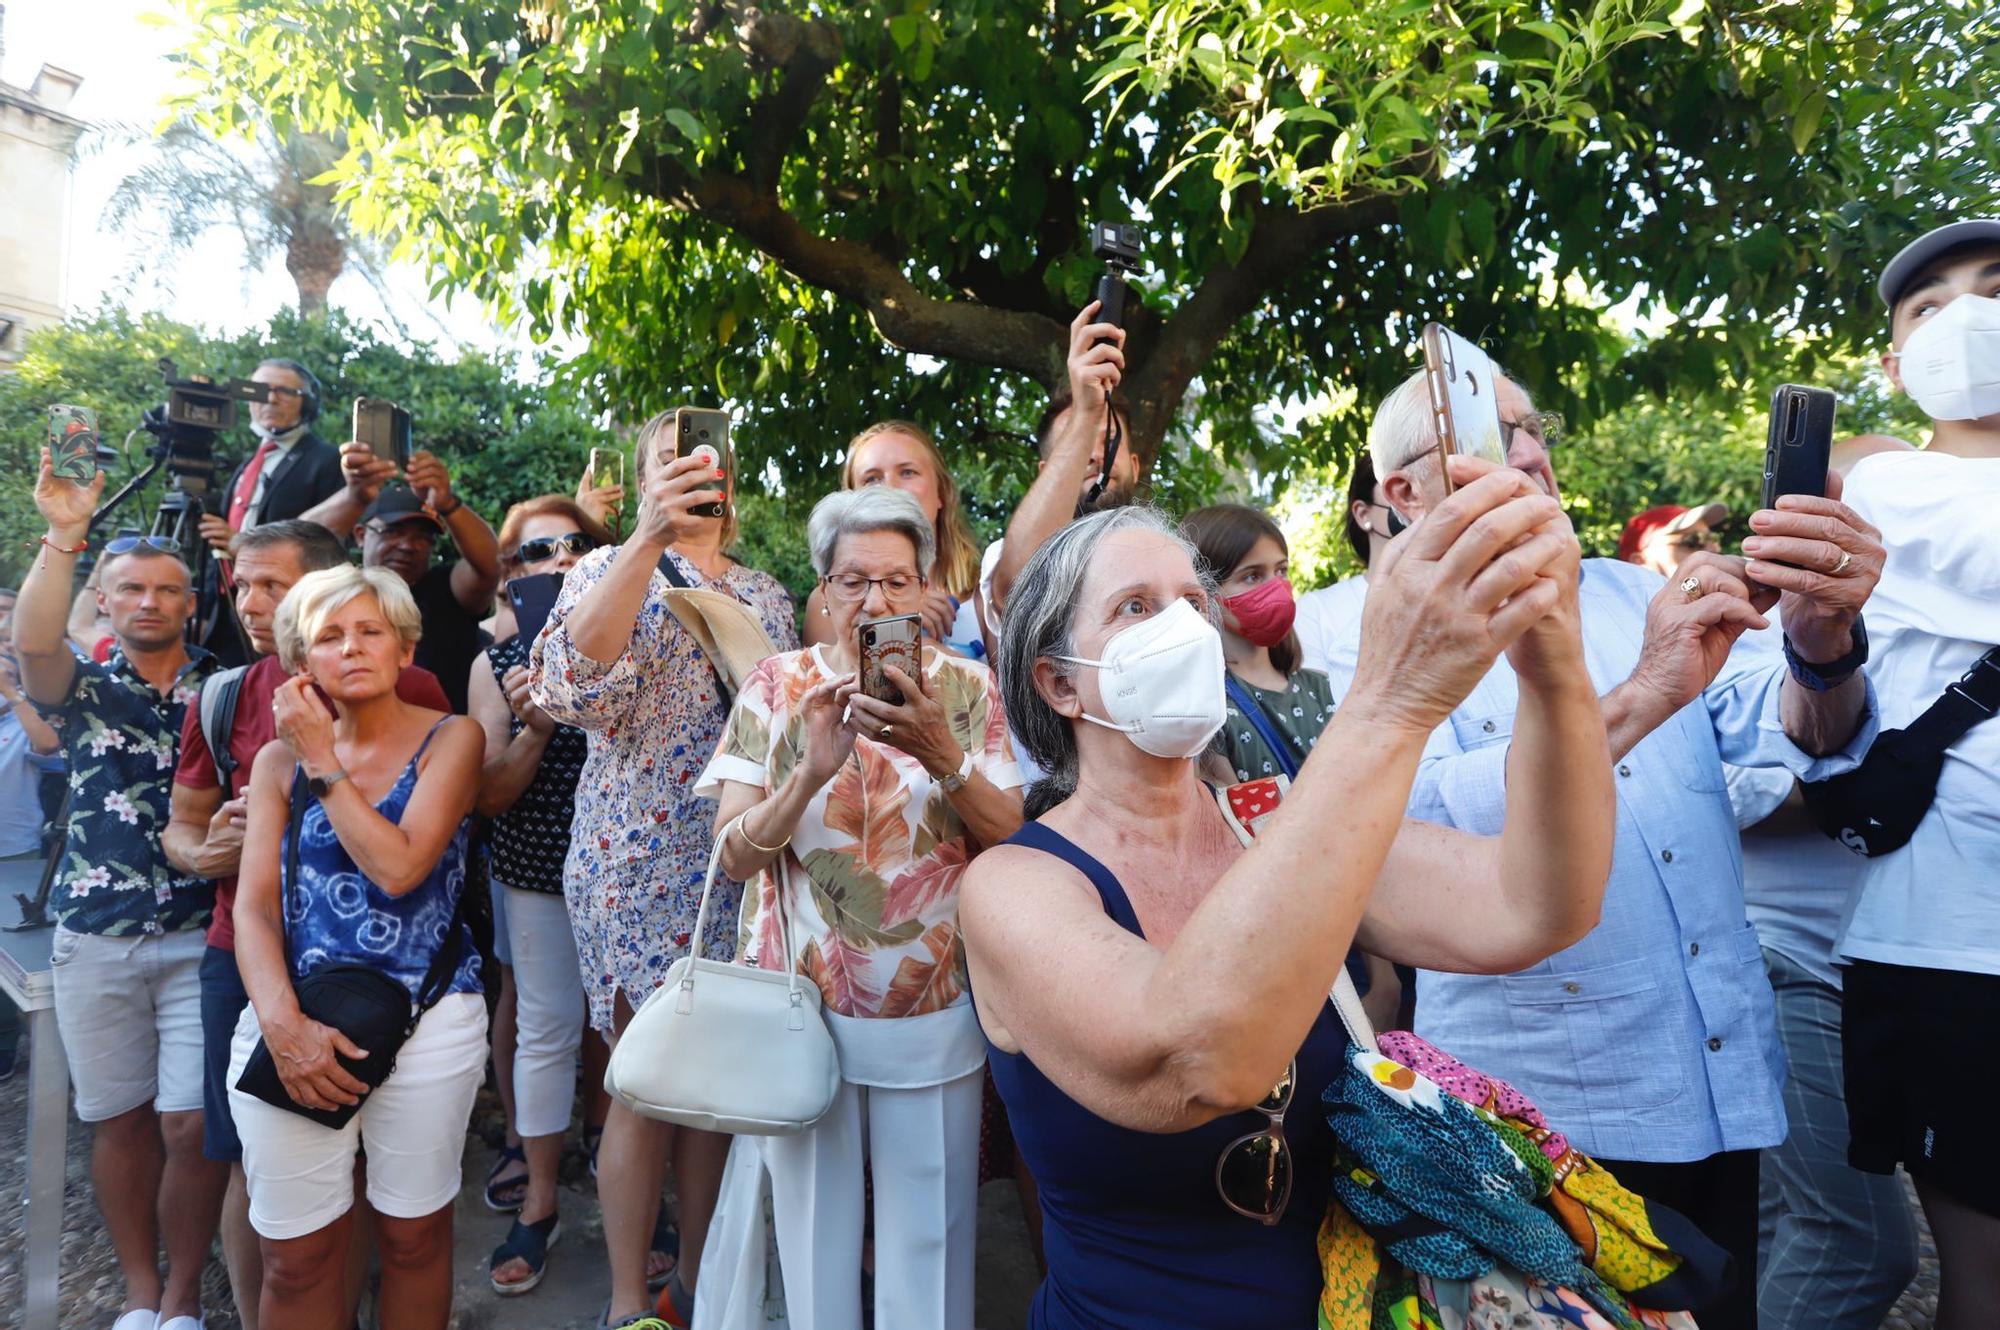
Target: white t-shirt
[(1322, 625), (1030, 772), (1934, 903)]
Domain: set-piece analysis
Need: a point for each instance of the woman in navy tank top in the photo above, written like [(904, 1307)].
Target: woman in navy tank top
[(1154, 996)]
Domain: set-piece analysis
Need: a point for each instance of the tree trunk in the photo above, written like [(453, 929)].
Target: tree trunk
[(314, 257)]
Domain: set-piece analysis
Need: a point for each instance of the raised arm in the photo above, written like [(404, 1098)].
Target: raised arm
[(1050, 502), (476, 575), (41, 615), (364, 474), (1164, 1040), (511, 760)]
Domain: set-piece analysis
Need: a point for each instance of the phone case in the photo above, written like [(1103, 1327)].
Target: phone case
[(704, 432), (385, 428), (607, 467), (73, 443), (891, 641), (1464, 401), (533, 599), (1798, 446)]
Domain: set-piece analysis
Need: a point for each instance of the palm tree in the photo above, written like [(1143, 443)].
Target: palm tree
[(189, 184)]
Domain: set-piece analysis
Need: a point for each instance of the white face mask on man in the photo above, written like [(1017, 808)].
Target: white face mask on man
[(1162, 682), (1951, 362)]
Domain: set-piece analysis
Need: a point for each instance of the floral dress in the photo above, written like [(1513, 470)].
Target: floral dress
[(877, 857), (639, 845)]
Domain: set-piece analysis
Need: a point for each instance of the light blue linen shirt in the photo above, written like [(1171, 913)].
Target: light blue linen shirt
[(1653, 1038)]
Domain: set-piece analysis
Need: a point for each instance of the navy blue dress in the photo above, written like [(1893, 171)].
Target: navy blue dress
[(1135, 1232)]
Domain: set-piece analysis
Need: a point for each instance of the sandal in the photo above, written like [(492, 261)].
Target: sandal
[(667, 1242), (528, 1243), (506, 1195), (637, 1321)]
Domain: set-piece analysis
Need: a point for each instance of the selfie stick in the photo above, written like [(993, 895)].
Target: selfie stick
[(1111, 292)]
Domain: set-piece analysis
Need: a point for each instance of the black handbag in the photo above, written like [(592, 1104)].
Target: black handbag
[(360, 1001), (1874, 809)]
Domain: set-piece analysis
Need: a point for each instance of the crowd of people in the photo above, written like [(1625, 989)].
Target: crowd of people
[(1073, 902)]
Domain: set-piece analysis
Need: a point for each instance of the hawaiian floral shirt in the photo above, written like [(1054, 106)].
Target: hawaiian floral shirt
[(122, 739), (875, 862)]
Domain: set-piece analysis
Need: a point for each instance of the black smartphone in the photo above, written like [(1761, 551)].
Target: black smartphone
[(73, 443), (888, 641), (533, 598), (1799, 445), (703, 432), (385, 428)]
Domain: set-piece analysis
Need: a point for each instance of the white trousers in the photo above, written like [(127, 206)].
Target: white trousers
[(548, 995), (923, 1148)]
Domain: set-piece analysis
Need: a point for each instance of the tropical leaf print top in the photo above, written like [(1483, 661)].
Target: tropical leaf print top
[(877, 858)]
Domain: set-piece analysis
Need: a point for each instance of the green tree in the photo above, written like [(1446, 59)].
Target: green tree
[(504, 433), (778, 206)]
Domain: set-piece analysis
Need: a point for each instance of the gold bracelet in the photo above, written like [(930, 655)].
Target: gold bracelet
[(743, 829)]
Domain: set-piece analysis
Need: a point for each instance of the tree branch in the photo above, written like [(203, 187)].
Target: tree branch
[(807, 51)]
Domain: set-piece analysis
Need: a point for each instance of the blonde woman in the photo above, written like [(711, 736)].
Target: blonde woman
[(903, 456), (387, 791)]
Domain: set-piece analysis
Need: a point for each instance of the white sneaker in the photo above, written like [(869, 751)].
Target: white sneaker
[(182, 1323), (137, 1320)]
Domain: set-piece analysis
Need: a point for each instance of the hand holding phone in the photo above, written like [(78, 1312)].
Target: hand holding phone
[(1464, 399), (883, 642), (533, 599), (704, 433), (1798, 445), (385, 428)]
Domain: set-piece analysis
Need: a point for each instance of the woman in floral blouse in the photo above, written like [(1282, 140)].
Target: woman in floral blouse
[(865, 815), (617, 664)]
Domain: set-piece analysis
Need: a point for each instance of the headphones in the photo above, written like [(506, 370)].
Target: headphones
[(309, 408)]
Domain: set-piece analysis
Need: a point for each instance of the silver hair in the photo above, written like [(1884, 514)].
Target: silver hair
[(1040, 622), (1403, 430), (870, 508)]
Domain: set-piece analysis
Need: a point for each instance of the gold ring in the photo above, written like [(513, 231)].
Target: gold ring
[(1841, 567), (1691, 587)]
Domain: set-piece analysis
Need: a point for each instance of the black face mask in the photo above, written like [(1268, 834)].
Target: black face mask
[(1397, 526)]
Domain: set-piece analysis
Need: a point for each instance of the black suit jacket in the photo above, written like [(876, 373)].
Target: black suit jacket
[(304, 477)]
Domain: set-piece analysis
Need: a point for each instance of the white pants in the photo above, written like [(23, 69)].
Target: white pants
[(300, 1175), (548, 993), (923, 1147)]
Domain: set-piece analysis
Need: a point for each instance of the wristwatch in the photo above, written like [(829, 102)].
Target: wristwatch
[(319, 785), (954, 781), (1825, 677)]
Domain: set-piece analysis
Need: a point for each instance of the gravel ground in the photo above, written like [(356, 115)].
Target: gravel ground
[(90, 1284)]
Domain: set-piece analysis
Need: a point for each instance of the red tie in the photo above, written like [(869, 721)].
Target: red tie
[(239, 502)]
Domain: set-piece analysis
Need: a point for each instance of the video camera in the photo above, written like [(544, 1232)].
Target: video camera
[(185, 425)]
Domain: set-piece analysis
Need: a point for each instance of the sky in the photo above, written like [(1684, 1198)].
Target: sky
[(120, 49)]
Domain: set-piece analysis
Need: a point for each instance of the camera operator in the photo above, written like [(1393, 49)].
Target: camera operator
[(1653, 1040), (205, 837), (400, 526), (291, 469), (1071, 438), (128, 939)]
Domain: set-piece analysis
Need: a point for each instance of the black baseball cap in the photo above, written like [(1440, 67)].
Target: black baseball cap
[(1918, 254), (396, 504)]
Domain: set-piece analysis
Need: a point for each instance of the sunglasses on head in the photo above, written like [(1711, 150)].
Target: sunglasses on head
[(545, 547), (1254, 1171), (126, 544)]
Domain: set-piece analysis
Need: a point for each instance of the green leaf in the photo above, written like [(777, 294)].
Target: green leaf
[(689, 127)]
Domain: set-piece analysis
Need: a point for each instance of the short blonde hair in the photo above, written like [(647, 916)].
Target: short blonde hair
[(642, 456), (319, 596)]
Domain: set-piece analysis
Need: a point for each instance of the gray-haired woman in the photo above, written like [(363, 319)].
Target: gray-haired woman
[(1154, 994), (864, 814)]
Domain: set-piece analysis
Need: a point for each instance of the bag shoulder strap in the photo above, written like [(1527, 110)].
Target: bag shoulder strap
[(215, 710), (1266, 795), (1260, 721), (698, 631), (294, 820), (1972, 698)]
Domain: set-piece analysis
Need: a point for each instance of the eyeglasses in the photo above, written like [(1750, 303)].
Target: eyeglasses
[(126, 544), (853, 587), (545, 547), (1544, 427), (280, 390), (411, 529), (1254, 1172)]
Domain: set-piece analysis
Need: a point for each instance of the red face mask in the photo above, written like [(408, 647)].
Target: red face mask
[(1264, 613)]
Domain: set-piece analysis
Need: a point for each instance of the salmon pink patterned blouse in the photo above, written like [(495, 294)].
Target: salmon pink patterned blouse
[(878, 855)]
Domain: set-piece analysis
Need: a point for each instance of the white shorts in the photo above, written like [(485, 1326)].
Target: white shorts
[(300, 1175), (129, 1009)]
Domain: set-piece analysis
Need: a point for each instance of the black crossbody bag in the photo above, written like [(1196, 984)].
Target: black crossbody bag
[(360, 1001), (1874, 809)]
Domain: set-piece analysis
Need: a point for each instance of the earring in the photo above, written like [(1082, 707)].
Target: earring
[(825, 609)]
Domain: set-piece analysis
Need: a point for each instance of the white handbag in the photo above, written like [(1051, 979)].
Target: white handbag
[(728, 1047)]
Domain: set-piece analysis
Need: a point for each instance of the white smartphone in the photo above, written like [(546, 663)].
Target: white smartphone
[(1464, 402)]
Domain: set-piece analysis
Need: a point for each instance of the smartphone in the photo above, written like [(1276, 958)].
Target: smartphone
[(385, 428), (73, 443), (704, 433), (1799, 445), (607, 467), (1465, 406), (888, 641), (533, 598)]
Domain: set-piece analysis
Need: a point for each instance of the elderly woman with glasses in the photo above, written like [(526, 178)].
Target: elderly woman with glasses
[(1154, 994), (864, 813), (528, 788)]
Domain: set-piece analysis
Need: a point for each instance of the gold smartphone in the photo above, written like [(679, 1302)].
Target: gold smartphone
[(1465, 404)]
